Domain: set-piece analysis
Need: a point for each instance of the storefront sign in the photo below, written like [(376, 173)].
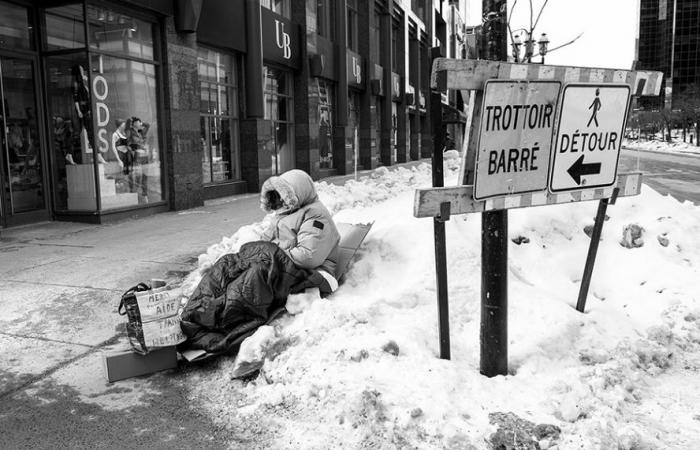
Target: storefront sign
[(280, 39), (356, 77), (395, 87), (100, 91)]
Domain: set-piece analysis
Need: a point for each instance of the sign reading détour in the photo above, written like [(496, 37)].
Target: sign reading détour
[(517, 122), (589, 138)]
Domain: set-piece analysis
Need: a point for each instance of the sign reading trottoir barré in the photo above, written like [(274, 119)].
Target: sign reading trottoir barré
[(589, 138), (517, 122)]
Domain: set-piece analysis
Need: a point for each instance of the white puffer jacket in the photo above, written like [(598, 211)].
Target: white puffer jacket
[(303, 227)]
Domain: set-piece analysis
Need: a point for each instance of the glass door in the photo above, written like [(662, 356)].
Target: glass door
[(23, 196)]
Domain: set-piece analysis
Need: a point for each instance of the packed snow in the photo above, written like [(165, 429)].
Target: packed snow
[(360, 369)]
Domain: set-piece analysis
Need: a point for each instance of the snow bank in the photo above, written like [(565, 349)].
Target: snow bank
[(677, 146), (361, 370)]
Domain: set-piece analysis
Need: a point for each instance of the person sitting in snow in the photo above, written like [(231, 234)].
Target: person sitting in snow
[(302, 226), (243, 290)]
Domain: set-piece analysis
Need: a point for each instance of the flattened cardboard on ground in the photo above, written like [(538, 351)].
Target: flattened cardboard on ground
[(120, 365), (351, 237)]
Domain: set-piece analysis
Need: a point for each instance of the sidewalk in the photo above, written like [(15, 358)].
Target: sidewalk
[(60, 284)]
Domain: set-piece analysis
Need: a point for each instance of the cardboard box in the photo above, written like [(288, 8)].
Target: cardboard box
[(120, 365)]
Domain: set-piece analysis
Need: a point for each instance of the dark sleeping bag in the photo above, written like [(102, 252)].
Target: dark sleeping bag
[(238, 294)]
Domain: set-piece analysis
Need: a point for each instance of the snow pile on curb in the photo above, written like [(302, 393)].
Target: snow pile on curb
[(360, 369), (676, 146)]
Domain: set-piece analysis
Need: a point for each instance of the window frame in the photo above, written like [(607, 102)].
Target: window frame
[(232, 116)]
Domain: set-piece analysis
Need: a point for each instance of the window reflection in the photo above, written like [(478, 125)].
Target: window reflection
[(219, 115), (15, 29), (64, 27), (279, 110), (114, 32)]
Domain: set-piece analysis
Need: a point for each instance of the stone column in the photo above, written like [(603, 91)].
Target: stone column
[(342, 157), (401, 113), (255, 132), (385, 150), (181, 120)]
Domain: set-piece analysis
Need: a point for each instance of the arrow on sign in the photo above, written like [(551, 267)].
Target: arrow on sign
[(579, 168)]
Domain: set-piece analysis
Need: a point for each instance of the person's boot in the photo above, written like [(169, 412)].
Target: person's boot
[(69, 159)]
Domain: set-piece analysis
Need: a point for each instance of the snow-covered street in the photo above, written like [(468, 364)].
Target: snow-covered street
[(360, 369)]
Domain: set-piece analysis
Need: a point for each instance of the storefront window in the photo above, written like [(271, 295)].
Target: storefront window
[(279, 110), (64, 27), (15, 32), (326, 94), (126, 117), (103, 112), (324, 18), (353, 141), (219, 115), (281, 7), (71, 131), (118, 33)]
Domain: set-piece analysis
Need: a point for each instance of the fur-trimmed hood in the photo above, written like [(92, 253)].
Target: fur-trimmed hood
[(295, 187)]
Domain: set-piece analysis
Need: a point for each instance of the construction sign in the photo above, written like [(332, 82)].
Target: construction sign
[(589, 137), (515, 137)]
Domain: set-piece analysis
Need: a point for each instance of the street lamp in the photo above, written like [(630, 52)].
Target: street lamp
[(543, 43), (529, 47), (517, 43)]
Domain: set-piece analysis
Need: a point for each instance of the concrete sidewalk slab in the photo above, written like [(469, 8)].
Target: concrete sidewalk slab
[(115, 275), (63, 314), (24, 359)]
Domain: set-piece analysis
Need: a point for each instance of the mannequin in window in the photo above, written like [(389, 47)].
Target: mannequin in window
[(62, 133), (120, 147), (136, 141), (81, 102)]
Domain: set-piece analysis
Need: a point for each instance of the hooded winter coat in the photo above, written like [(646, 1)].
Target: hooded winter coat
[(303, 227)]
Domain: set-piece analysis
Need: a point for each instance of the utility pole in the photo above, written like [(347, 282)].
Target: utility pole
[(494, 228)]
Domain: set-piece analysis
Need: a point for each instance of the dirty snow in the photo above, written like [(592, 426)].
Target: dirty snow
[(624, 375)]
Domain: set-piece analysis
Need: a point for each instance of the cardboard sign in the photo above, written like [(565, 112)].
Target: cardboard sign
[(158, 303), (589, 138), (160, 323), (515, 137)]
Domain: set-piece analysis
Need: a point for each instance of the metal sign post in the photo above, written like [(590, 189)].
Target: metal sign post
[(439, 220), (494, 232)]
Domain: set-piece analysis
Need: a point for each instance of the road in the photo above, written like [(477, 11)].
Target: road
[(673, 174)]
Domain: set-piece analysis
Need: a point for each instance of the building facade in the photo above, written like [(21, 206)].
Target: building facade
[(669, 41), (121, 108)]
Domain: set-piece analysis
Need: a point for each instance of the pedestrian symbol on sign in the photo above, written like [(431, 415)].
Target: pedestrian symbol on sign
[(595, 106)]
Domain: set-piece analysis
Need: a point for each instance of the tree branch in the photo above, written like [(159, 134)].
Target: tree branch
[(564, 45), (539, 14)]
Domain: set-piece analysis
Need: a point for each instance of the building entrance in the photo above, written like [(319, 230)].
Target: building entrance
[(23, 196)]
